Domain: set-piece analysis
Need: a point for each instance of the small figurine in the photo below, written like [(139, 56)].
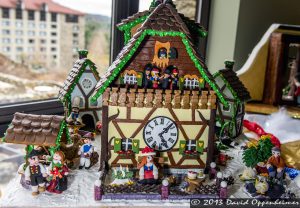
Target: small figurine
[(58, 172), (162, 53), (212, 171), (261, 184), (219, 179), (148, 172), (74, 117), (98, 127), (165, 80), (223, 190), (192, 182), (147, 77), (261, 168), (165, 189), (155, 77), (275, 164), (35, 173), (248, 174), (86, 151), (175, 79)]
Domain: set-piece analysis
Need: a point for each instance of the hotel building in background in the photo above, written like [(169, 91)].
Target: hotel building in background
[(40, 33)]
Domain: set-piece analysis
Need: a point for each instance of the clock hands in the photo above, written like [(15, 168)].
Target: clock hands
[(165, 130)]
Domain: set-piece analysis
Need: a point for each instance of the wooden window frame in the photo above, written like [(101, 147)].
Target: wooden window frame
[(120, 9)]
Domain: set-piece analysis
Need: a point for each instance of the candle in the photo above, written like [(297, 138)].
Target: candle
[(121, 168), (127, 169)]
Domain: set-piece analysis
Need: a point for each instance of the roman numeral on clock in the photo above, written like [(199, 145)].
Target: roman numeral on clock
[(150, 139)]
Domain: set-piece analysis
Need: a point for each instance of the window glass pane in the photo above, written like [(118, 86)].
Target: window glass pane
[(44, 44)]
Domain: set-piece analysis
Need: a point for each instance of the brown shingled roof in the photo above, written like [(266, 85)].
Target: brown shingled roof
[(134, 17), (231, 77), (73, 75), (34, 129), (163, 18)]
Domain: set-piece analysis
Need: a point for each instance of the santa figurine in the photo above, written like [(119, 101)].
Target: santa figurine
[(86, 151), (148, 172), (35, 173), (58, 172), (275, 164)]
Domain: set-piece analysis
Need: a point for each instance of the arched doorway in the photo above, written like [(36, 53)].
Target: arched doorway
[(89, 122)]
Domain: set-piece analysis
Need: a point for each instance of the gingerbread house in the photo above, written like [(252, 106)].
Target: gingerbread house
[(78, 88)]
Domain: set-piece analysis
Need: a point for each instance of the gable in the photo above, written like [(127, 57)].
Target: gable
[(146, 51), (75, 74), (164, 21)]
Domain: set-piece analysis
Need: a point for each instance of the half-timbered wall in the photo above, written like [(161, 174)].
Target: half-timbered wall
[(145, 55), (85, 95), (195, 124)]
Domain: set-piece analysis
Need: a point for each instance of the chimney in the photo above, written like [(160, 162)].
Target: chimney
[(229, 64), (83, 53)]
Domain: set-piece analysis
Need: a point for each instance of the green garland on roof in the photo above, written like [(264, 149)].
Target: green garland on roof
[(82, 69), (128, 26), (195, 28), (160, 33)]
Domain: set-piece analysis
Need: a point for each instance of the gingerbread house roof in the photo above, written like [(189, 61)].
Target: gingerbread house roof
[(33, 129), (74, 75), (163, 21), (135, 19), (238, 88)]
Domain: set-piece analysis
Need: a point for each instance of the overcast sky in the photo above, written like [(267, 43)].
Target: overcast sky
[(97, 6)]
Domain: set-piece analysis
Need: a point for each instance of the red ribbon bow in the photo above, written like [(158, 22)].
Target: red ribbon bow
[(254, 127)]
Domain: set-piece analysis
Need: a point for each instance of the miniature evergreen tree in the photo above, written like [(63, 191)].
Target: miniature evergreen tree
[(258, 152)]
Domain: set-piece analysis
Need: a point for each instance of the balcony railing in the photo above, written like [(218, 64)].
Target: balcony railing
[(184, 99)]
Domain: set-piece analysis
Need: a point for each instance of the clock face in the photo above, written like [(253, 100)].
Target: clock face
[(87, 83), (161, 133)]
